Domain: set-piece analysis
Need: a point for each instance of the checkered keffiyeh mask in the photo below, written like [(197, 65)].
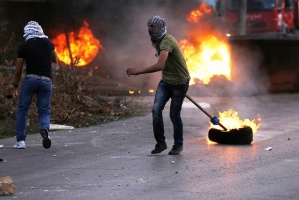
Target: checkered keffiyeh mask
[(157, 35), (33, 30), (158, 21)]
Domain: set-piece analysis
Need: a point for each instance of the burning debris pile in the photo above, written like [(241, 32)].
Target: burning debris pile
[(206, 49), (77, 48)]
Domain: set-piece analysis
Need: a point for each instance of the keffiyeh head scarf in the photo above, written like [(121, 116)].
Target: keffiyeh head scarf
[(33, 30), (157, 35)]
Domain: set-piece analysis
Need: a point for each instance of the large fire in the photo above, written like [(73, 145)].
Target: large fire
[(77, 48), (206, 51), (208, 54), (196, 15)]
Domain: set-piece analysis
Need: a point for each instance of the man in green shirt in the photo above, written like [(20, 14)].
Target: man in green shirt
[(174, 84)]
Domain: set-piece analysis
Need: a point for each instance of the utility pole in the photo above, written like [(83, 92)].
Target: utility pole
[(241, 22), (220, 7)]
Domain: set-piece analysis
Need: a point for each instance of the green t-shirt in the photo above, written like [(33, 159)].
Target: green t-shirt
[(175, 70)]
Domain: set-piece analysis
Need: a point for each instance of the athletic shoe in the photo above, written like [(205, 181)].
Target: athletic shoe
[(159, 148), (176, 150), (19, 145), (46, 139)]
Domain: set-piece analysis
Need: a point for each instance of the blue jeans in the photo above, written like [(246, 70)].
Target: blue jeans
[(176, 93), (42, 88)]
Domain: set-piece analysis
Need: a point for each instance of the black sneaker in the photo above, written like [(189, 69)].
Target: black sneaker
[(46, 139), (159, 148), (176, 150)]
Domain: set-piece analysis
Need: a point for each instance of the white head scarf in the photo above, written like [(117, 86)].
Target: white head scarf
[(33, 30)]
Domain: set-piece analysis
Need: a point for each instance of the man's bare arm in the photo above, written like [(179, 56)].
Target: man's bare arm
[(154, 68)]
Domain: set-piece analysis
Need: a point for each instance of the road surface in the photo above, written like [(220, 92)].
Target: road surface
[(113, 160)]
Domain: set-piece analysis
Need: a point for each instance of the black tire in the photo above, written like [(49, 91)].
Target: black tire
[(235, 136)]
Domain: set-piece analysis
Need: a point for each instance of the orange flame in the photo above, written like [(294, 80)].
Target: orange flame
[(207, 52), (131, 91), (83, 46), (196, 15), (231, 120), (206, 56)]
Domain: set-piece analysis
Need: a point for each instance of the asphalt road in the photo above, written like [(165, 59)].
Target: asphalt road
[(113, 160)]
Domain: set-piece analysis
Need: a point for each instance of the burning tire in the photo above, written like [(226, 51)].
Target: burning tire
[(235, 136)]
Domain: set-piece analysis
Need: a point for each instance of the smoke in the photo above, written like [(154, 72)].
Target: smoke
[(127, 40), (121, 26), (248, 76)]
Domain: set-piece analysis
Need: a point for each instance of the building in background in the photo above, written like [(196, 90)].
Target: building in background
[(211, 2)]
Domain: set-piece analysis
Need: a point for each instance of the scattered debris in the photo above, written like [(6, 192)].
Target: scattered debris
[(141, 180), (7, 186), (268, 149), (60, 127), (1, 146)]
